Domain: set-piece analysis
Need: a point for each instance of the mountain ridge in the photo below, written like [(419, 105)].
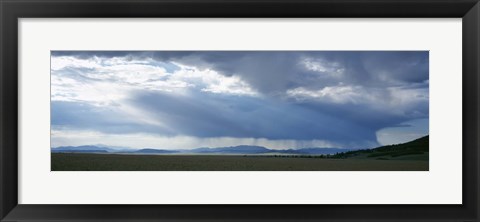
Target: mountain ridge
[(417, 146), (241, 149)]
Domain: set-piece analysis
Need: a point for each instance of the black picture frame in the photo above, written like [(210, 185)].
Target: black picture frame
[(12, 10)]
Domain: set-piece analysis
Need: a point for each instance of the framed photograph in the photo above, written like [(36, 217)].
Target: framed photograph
[(173, 111), (239, 110)]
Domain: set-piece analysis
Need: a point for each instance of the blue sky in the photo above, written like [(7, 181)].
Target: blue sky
[(276, 99)]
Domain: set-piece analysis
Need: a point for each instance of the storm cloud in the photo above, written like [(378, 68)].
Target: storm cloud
[(340, 97)]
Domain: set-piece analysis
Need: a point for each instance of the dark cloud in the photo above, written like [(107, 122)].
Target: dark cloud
[(207, 115), (381, 75), (271, 71), (368, 117)]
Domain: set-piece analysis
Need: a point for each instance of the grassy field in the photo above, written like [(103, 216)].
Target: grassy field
[(121, 162)]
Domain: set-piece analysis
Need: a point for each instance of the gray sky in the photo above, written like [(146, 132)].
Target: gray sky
[(276, 99)]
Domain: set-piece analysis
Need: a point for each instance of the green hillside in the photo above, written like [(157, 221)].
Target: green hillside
[(413, 150)]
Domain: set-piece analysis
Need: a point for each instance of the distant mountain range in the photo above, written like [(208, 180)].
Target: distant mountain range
[(242, 149)]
